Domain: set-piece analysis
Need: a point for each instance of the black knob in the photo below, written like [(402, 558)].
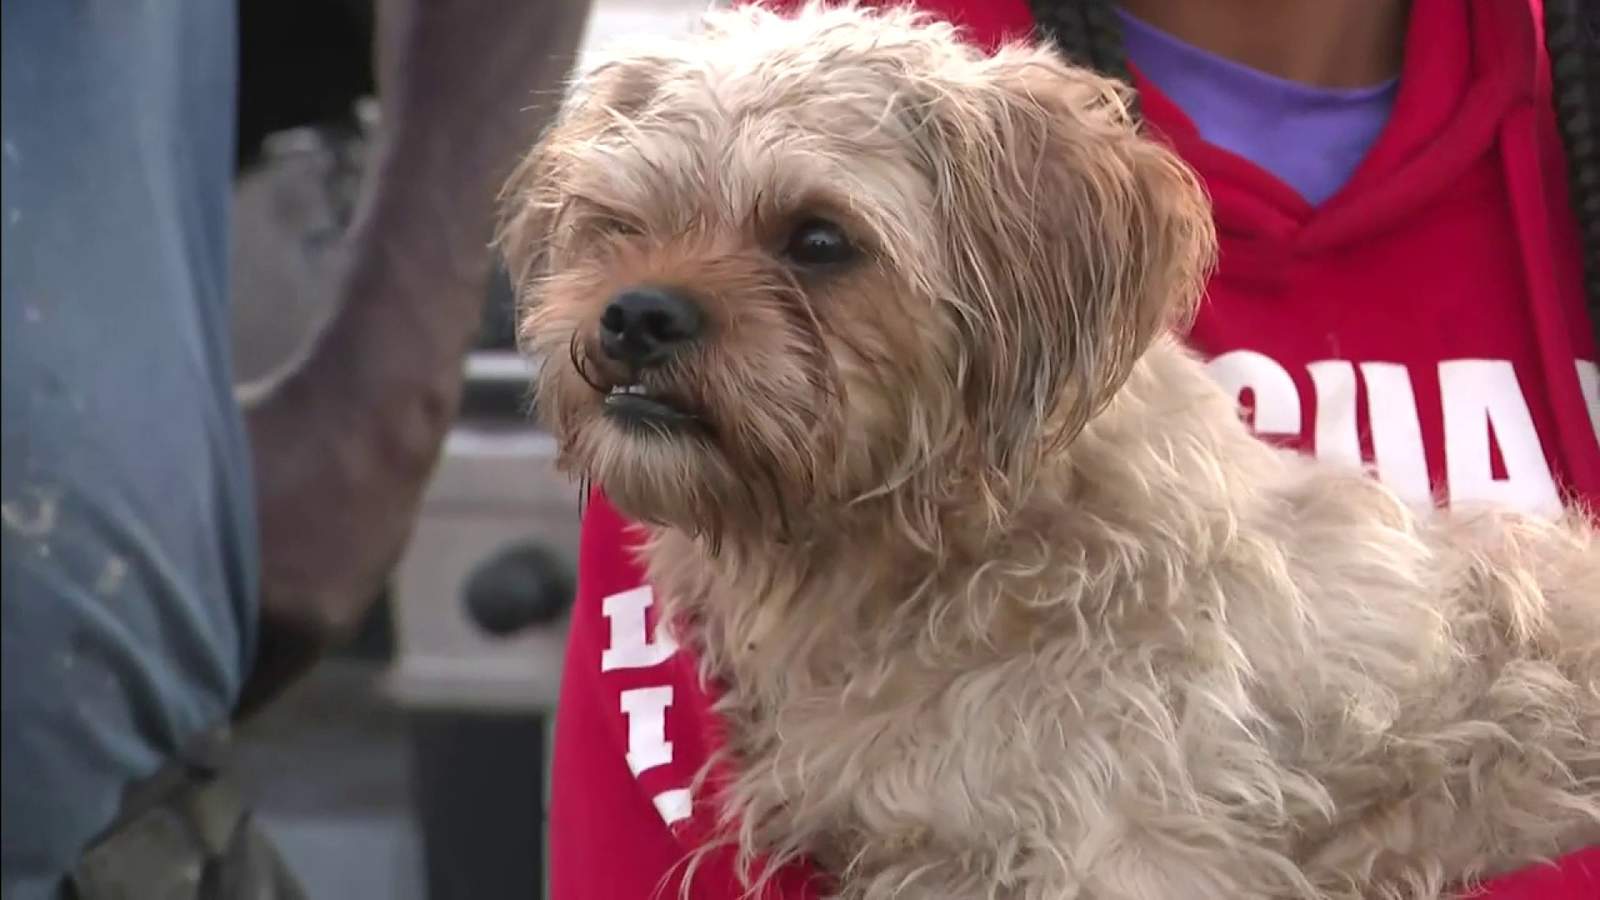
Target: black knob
[(520, 587)]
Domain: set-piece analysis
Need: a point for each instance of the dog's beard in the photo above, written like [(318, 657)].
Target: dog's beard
[(735, 437)]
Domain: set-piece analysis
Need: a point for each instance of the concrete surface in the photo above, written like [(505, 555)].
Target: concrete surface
[(328, 773)]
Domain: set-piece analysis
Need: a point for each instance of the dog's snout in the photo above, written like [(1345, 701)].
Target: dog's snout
[(644, 326)]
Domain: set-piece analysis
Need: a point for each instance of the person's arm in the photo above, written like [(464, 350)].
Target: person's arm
[(344, 441)]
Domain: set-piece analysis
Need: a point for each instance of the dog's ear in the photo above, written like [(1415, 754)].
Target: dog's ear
[(539, 187), (1073, 241), (528, 206)]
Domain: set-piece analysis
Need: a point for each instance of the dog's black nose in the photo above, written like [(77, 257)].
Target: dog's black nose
[(644, 326)]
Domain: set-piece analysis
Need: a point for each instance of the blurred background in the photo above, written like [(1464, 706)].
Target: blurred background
[(412, 765)]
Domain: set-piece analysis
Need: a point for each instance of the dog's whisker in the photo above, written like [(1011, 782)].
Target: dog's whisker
[(577, 356)]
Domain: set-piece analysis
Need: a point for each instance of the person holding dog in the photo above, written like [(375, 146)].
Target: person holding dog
[(1402, 282)]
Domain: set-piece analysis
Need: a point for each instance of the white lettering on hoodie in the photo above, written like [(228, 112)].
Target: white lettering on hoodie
[(1482, 407), (631, 645)]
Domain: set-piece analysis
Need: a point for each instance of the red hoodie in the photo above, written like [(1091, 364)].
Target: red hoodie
[(1427, 318)]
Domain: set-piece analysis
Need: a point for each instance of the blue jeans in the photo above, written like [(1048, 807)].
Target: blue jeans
[(129, 545)]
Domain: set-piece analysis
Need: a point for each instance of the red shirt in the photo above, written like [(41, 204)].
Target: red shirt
[(1427, 318)]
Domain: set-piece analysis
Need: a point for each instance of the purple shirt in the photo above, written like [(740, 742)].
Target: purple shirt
[(1311, 138)]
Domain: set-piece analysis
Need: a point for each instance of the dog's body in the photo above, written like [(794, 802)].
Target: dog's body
[(1001, 596), (1196, 666)]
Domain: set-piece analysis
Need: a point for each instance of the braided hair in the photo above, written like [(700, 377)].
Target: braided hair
[(1572, 39), (1089, 33)]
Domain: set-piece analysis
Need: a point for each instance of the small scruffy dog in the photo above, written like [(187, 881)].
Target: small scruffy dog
[(1003, 597)]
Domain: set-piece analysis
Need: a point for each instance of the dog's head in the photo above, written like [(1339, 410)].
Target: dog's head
[(792, 262)]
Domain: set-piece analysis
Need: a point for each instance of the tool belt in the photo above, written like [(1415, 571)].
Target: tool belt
[(184, 833)]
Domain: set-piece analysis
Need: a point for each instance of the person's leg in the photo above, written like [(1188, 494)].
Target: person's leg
[(129, 545)]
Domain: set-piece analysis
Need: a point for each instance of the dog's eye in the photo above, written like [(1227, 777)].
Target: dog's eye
[(818, 242), (614, 225)]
